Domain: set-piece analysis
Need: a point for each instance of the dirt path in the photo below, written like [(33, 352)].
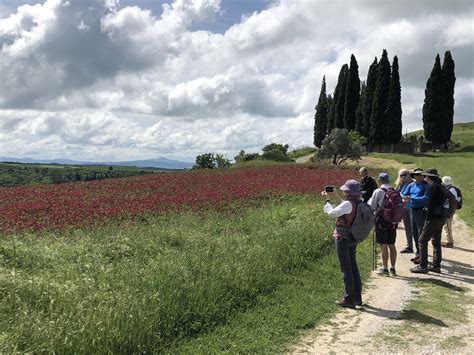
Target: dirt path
[(305, 159), (371, 328), (373, 162)]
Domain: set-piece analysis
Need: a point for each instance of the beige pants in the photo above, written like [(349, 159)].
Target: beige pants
[(448, 227)]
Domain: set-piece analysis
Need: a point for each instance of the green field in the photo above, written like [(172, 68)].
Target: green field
[(18, 174), (458, 164), (246, 282)]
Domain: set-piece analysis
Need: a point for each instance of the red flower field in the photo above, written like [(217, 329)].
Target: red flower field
[(81, 204)]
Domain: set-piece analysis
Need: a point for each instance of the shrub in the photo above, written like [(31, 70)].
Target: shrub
[(341, 145)]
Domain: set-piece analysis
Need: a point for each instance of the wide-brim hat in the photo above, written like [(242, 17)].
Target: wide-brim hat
[(416, 171), (430, 172), (351, 187)]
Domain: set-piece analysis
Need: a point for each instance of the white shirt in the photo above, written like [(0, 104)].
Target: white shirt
[(344, 208), (377, 199), (453, 191)]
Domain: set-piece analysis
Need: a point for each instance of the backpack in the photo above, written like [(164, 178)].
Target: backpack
[(363, 222), (393, 210), (459, 200), (450, 204)]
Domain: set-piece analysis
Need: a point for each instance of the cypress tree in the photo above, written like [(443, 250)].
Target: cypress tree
[(449, 79), (435, 106), (352, 95), (321, 116), (380, 102), (393, 125), (359, 126), (330, 124), (369, 93), (341, 97)]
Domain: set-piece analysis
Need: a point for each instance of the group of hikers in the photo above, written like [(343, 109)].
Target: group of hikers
[(420, 198)]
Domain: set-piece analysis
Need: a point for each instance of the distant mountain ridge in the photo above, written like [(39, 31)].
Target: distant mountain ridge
[(160, 162)]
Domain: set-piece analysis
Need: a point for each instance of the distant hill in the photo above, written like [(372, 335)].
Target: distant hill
[(161, 163), (462, 133)]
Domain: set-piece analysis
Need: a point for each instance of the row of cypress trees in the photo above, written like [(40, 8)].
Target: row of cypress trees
[(438, 108), (373, 109)]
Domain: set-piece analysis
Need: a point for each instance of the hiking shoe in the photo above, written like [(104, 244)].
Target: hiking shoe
[(359, 303), (382, 272), (415, 258), (393, 272), (419, 270), (406, 251), (434, 268), (447, 245), (343, 303), (417, 261)]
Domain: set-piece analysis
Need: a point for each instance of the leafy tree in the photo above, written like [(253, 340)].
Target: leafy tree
[(340, 145), (449, 79), (277, 152), (321, 116), (360, 109), (369, 98), (211, 161), (340, 93), (435, 108), (379, 106), (352, 95), (393, 124), (242, 156)]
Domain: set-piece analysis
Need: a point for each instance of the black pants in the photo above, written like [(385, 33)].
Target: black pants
[(346, 252), (431, 230)]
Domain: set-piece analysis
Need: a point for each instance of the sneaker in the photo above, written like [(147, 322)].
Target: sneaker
[(417, 261), (434, 268), (393, 271), (447, 245), (415, 258), (345, 304), (359, 303), (419, 270), (382, 272), (406, 251)]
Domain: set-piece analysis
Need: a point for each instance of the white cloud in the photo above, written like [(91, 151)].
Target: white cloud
[(94, 78)]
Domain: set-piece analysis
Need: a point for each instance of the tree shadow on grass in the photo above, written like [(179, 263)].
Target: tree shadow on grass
[(466, 149)]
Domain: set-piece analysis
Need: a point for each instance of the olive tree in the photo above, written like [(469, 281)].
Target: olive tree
[(341, 145)]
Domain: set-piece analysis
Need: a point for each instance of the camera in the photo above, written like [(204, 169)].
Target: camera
[(329, 189)]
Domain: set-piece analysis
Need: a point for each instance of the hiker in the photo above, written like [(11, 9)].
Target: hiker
[(448, 227), (385, 231), (415, 198), (367, 184), (346, 245), (405, 179), (435, 220)]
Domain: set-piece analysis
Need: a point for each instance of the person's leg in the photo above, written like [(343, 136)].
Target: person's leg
[(436, 242), (384, 248), (449, 230), (393, 255), (425, 236), (419, 217), (408, 229), (355, 274), (342, 248), (414, 230)]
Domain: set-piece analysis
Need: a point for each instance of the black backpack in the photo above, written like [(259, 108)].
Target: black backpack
[(459, 200)]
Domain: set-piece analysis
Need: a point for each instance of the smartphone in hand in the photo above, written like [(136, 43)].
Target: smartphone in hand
[(329, 189)]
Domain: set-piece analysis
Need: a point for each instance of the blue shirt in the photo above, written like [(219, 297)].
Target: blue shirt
[(417, 193)]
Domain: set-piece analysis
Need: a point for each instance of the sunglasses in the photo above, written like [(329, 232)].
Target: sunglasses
[(402, 175), (416, 174)]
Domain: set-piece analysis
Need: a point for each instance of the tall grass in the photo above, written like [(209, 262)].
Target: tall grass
[(149, 286)]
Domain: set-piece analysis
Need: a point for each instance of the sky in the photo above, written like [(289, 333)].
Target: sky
[(118, 80)]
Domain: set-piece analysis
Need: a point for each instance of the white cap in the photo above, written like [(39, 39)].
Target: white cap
[(447, 180)]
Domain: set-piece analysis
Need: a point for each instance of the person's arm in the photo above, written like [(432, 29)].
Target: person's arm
[(421, 199), (454, 192), (374, 200), (338, 211), (405, 191)]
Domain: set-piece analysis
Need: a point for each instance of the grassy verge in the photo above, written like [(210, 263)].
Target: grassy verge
[(244, 282), (297, 153), (436, 306)]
